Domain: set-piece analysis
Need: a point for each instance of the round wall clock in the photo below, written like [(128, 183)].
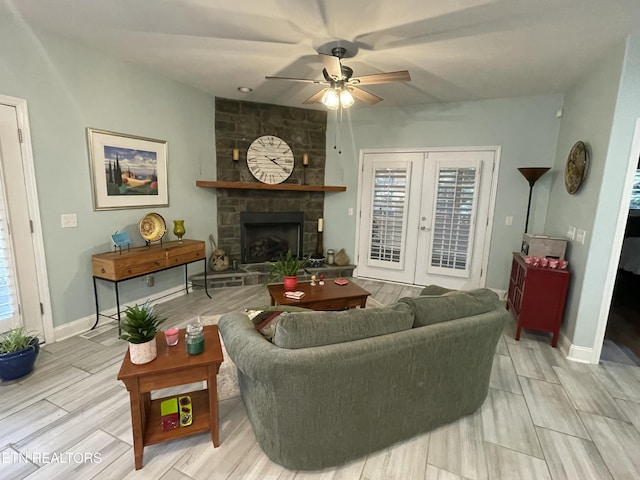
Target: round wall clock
[(270, 160), (576, 169)]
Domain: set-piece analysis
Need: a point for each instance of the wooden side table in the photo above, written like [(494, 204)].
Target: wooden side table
[(173, 367)]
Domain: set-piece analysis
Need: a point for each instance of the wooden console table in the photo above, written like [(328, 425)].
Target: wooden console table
[(123, 265), (172, 367)]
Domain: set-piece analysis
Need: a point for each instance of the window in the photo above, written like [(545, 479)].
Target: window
[(388, 213)]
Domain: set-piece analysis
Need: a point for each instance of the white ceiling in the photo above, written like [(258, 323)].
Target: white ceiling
[(454, 49)]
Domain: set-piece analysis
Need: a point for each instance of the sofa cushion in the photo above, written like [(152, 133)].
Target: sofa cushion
[(303, 330), (429, 310)]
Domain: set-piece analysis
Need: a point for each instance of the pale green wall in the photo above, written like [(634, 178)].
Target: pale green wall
[(588, 116), (69, 88), (607, 104), (525, 128)]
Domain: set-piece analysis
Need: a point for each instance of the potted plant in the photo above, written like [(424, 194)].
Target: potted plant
[(18, 352), (286, 268), (140, 329)]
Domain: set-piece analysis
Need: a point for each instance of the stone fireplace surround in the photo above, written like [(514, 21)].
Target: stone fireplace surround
[(237, 125)]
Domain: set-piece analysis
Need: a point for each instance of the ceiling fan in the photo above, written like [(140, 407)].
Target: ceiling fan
[(343, 89)]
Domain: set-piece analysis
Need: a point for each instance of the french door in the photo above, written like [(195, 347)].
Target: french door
[(425, 216)]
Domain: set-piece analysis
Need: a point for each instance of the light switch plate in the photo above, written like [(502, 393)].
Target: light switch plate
[(69, 220), (580, 236), (508, 220), (571, 232)]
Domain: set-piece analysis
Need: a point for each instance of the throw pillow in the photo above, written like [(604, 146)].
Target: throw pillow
[(313, 329), (265, 319)]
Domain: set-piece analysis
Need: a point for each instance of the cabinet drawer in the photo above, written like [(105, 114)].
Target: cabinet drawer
[(185, 257)]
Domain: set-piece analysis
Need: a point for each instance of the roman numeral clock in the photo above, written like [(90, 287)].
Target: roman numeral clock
[(270, 159)]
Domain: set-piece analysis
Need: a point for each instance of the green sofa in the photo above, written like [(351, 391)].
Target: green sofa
[(334, 386)]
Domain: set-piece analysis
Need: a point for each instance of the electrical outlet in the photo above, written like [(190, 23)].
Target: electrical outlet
[(508, 220), (350, 211), (150, 280), (580, 236), (571, 232)]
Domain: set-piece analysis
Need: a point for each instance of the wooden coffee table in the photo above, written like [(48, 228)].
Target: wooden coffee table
[(322, 297), (172, 367)]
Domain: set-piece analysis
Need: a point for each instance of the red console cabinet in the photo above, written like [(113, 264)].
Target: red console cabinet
[(537, 296)]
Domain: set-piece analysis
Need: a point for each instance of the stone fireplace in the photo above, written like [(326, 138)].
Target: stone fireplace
[(265, 236), (237, 125)]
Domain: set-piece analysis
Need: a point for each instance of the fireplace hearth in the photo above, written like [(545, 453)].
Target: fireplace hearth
[(265, 236)]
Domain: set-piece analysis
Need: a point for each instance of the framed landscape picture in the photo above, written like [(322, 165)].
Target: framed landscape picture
[(127, 171)]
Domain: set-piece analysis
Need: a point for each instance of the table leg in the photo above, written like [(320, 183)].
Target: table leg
[(363, 302), (206, 286), (118, 306), (138, 416), (95, 296), (212, 386), (186, 280)]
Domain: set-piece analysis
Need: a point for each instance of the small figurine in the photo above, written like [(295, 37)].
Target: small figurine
[(313, 280), (322, 279)]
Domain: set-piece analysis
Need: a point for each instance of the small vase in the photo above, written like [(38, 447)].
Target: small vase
[(141, 353), (290, 283), (178, 229)]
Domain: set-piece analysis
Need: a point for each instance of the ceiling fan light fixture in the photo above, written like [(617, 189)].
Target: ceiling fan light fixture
[(330, 99), (346, 99)]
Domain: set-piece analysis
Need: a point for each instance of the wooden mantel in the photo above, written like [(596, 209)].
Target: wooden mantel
[(264, 186)]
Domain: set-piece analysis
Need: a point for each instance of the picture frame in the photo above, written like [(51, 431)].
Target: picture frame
[(127, 171)]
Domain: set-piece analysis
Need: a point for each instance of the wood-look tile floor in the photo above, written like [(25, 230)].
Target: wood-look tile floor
[(544, 418)]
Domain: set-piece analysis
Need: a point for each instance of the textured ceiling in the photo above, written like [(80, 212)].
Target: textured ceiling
[(455, 50)]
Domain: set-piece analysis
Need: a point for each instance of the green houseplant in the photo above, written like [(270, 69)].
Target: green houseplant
[(18, 352), (286, 268), (139, 328)]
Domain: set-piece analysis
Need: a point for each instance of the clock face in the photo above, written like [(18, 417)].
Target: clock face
[(270, 160)]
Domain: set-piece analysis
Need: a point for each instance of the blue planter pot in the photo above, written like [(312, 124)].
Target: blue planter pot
[(18, 364)]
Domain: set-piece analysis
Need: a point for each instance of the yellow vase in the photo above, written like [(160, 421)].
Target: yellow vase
[(178, 229)]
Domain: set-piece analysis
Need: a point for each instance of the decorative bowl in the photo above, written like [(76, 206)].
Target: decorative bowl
[(315, 262), (152, 227)]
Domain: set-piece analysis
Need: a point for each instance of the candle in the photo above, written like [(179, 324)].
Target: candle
[(320, 224), (236, 154), (305, 159)]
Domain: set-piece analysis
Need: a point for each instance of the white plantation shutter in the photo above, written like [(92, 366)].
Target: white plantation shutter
[(389, 207), (454, 215), (8, 298)]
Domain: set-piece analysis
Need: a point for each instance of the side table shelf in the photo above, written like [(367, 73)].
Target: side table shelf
[(537, 296)]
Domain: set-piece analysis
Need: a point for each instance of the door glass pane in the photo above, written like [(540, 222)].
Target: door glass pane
[(8, 300), (388, 214), (454, 216)]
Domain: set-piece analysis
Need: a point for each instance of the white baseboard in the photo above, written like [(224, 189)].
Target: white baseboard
[(84, 324), (574, 352)]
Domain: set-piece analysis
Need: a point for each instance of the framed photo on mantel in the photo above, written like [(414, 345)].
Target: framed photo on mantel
[(127, 171)]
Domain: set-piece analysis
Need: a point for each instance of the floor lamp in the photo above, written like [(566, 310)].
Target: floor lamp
[(532, 174)]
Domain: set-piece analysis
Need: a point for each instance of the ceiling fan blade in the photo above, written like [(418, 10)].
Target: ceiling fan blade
[(389, 77), (316, 97), (332, 65), (293, 79), (364, 96)]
